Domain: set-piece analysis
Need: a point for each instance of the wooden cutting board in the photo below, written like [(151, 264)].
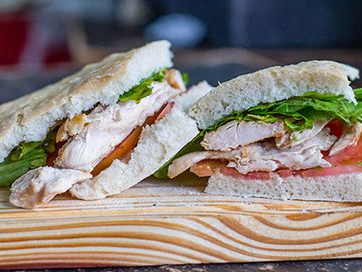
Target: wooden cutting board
[(158, 223)]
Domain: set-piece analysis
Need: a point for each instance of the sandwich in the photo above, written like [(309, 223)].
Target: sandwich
[(290, 132), (99, 131)]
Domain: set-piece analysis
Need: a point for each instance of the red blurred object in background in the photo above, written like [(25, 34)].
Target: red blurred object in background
[(16, 33), (13, 35)]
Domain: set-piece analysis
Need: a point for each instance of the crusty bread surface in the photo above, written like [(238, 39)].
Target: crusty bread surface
[(341, 188), (271, 85), (30, 117), (158, 143)]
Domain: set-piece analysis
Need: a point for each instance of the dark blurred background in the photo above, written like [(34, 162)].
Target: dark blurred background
[(43, 40)]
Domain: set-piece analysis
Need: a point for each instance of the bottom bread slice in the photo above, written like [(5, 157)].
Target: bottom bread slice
[(341, 188)]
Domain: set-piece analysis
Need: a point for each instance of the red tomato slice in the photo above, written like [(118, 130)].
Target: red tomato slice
[(252, 175), (286, 172), (208, 168), (350, 155), (332, 171)]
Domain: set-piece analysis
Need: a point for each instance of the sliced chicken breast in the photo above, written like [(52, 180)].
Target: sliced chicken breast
[(108, 127), (41, 185), (241, 133), (263, 165), (183, 163), (306, 155), (262, 159), (350, 137), (259, 157), (297, 137)]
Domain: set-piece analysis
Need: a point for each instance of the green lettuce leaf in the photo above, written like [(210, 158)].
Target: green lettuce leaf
[(144, 88), (25, 157), (297, 114)]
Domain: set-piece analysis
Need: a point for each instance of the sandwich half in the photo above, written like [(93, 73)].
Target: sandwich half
[(97, 132), (289, 132)]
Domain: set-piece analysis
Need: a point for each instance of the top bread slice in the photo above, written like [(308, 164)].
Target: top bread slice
[(29, 118), (271, 85)]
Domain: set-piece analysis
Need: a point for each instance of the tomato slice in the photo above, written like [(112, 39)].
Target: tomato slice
[(286, 172), (332, 171), (120, 152), (207, 168), (350, 155), (252, 175)]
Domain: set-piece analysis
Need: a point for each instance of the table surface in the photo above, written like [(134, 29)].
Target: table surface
[(212, 65), (312, 266)]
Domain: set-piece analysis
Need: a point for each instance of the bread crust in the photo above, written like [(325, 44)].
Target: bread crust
[(29, 118), (339, 188), (271, 85)]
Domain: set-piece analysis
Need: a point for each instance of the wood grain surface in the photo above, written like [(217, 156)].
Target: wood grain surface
[(160, 222)]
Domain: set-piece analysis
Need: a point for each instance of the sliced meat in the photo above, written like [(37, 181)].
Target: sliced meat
[(260, 157), (263, 165), (240, 133), (109, 126), (41, 185), (183, 163), (303, 156), (174, 78), (323, 140), (72, 127), (297, 137), (350, 137)]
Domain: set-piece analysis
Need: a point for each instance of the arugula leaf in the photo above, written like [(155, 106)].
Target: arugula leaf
[(143, 89), (297, 114), (23, 158), (358, 93)]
